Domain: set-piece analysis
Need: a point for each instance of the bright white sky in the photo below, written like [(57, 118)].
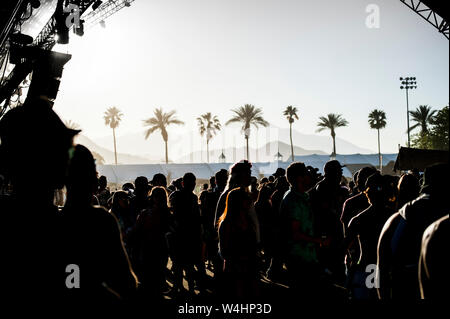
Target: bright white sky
[(214, 55)]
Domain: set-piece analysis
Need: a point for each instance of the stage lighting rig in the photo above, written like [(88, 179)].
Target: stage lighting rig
[(79, 30), (18, 43)]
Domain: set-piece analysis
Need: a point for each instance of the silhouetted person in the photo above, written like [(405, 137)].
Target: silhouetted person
[(364, 230), (208, 214), (254, 188), (176, 185), (188, 235), (120, 208), (264, 211), (140, 199), (203, 195), (357, 203), (278, 245), (408, 189), (238, 246), (129, 188), (352, 207), (103, 193), (159, 180), (212, 183), (400, 241), (327, 199), (149, 237), (315, 175), (34, 148), (300, 237), (434, 278), (239, 177), (92, 240)]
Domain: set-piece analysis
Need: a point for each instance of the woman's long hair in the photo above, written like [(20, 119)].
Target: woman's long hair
[(158, 195), (236, 200)]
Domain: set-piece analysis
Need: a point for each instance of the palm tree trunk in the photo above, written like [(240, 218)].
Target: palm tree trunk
[(167, 153), (207, 150), (334, 145), (379, 150), (246, 139), (292, 144), (115, 148)]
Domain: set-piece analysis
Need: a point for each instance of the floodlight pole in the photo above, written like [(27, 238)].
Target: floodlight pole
[(408, 83)]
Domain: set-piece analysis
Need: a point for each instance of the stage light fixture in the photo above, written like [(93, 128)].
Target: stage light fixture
[(62, 36), (18, 42), (79, 30)]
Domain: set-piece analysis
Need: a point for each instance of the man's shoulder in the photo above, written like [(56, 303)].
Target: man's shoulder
[(412, 209), (363, 216), (288, 195), (175, 194), (390, 225), (355, 198)]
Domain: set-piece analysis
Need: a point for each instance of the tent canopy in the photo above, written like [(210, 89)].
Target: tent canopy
[(413, 158)]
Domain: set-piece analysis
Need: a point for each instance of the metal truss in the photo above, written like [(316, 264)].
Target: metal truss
[(105, 10), (45, 40), (429, 15)]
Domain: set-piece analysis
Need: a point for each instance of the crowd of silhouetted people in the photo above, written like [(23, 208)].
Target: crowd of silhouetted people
[(300, 233)]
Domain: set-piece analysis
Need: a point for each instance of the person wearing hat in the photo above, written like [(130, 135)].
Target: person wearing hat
[(400, 241), (279, 172), (299, 235), (34, 154)]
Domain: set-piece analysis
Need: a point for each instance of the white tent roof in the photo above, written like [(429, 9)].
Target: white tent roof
[(121, 174)]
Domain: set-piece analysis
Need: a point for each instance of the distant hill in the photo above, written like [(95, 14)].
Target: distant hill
[(321, 142), (133, 148), (108, 155), (265, 153)]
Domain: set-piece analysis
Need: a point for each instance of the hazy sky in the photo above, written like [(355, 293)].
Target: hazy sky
[(196, 56)]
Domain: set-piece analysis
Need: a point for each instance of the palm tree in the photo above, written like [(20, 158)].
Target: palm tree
[(291, 114), (248, 115), (160, 122), (377, 121), (423, 116), (331, 122), (112, 117), (210, 125)]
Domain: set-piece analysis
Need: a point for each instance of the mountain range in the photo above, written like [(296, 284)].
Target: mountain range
[(134, 149)]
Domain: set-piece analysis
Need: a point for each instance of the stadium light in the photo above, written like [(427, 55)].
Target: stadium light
[(408, 83)]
